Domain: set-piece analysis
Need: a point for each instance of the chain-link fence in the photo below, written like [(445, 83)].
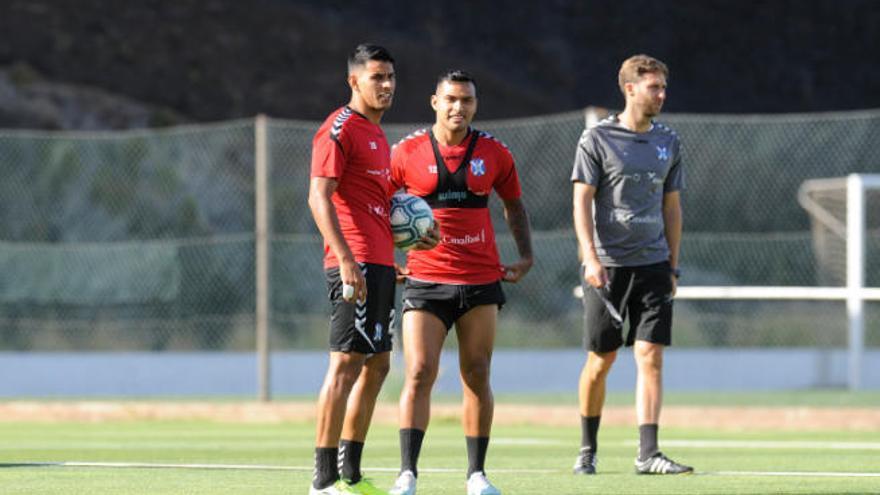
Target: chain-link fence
[(145, 239), (131, 240), (826, 202)]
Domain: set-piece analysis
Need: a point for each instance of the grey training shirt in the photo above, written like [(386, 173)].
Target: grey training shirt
[(631, 171)]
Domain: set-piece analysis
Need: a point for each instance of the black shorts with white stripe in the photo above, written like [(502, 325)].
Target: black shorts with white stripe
[(640, 294), (449, 302), (363, 326)]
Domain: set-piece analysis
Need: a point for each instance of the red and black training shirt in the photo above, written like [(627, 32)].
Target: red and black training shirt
[(354, 151), (457, 189)]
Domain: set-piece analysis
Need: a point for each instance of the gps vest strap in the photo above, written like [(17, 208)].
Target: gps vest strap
[(452, 190)]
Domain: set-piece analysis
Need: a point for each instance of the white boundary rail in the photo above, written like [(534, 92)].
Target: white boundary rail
[(855, 296), (855, 293)]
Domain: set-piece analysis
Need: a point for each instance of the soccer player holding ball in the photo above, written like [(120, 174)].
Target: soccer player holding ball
[(349, 196), (454, 168), (627, 214)]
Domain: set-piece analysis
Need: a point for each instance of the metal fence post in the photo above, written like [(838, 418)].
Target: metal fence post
[(262, 255)]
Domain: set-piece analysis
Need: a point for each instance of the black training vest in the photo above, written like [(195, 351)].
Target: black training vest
[(452, 190)]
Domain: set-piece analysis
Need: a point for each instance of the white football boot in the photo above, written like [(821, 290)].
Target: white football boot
[(405, 484), (478, 484)]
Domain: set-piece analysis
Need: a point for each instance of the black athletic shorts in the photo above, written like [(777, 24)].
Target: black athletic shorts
[(363, 326), (449, 302), (641, 295)]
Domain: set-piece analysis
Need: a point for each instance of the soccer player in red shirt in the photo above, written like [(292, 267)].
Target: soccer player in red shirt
[(349, 198), (455, 167)]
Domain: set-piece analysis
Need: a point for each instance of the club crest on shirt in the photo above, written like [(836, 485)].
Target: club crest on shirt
[(478, 167), (662, 153), (373, 145)]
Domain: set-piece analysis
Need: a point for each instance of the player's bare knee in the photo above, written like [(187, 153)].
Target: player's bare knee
[(375, 377), (649, 357), (378, 367), (595, 374), (475, 374), (600, 363), (344, 372), (651, 366), (342, 381), (422, 374)]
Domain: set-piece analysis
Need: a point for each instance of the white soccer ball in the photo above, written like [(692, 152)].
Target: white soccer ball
[(411, 219)]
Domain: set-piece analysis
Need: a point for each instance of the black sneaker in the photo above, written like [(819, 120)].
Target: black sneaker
[(660, 464), (585, 463)]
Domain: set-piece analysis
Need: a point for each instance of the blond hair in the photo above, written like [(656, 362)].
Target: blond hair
[(636, 66)]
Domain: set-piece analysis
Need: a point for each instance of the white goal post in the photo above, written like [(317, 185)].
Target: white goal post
[(855, 293), (855, 270)]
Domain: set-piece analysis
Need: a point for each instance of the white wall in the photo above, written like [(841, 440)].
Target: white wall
[(300, 373)]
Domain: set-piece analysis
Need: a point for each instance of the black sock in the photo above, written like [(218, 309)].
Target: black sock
[(326, 472), (350, 460), (410, 447), (476, 449), (589, 433), (647, 441)]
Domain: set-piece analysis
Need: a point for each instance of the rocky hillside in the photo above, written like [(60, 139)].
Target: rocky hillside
[(174, 60), (29, 101)]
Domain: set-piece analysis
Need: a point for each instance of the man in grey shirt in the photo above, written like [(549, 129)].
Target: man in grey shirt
[(627, 215)]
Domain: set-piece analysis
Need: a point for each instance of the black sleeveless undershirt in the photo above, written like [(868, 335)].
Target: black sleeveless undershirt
[(452, 190)]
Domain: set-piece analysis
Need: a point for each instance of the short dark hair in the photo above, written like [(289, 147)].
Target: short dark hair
[(633, 68), (456, 75), (365, 52)]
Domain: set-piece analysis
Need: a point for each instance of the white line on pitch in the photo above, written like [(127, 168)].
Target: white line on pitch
[(267, 467), (156, 465), (766, 444), (254, 467), (713, 444), (516, 442), (796, 473), (448, 470)]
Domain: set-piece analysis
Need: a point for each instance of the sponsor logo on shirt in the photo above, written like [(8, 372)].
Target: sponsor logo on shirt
[(380, 172), (479, 237), (373, 145), (656, 182), (628, 218), (637, 177), (452, 195), (432, 169), (377, 210)]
